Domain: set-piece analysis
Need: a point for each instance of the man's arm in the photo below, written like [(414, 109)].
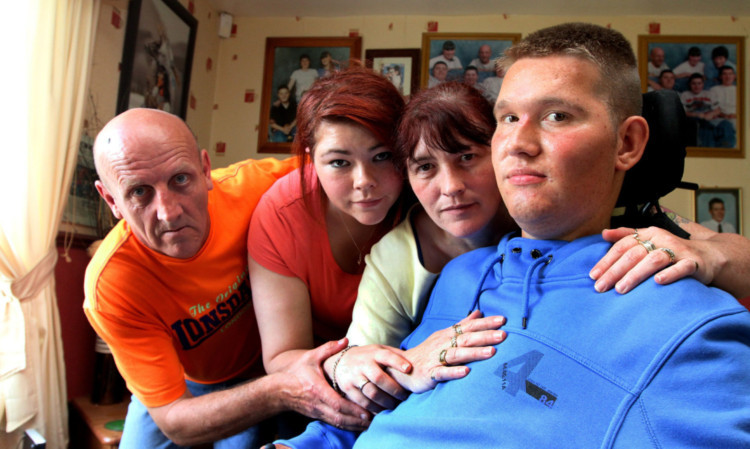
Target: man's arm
[(194, 420), (712, 362)]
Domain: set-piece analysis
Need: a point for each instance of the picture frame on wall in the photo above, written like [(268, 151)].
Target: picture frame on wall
[(86, 217), (719, 208), (80, 217), (707, 72), (453, 53), (292, 64), (400, 65), (157, 57)]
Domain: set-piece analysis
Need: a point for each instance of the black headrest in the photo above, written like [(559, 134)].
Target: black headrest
[(660, 169)]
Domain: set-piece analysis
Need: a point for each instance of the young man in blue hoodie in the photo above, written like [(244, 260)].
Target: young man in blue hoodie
[(663, 366)]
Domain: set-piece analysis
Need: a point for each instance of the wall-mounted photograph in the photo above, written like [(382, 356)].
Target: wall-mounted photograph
[(708, 73), (401, 66), (292, 64), (466, 57), (157, 57), (719, 209)]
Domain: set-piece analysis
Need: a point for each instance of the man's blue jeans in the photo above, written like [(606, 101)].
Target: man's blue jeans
[(141, 432)]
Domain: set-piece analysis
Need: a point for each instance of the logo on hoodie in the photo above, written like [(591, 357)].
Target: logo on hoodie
[(515, 376)]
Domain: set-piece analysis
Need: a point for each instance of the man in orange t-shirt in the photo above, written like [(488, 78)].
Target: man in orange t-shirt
[(168, 290)]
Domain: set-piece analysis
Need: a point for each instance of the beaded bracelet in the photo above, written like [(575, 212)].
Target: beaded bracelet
[(336, 364)]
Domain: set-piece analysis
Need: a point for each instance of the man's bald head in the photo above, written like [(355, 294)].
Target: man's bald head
[(155, 177), (131, 122)]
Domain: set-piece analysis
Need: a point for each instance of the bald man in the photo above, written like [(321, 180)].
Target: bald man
[(483, 61), (168, 290)]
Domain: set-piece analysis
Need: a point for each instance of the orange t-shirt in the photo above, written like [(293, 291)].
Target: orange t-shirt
[(167, 319)]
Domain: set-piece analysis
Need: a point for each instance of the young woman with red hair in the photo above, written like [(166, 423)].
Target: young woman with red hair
[(311, 231)]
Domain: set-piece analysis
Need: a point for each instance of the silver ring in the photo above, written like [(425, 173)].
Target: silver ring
[(635, 234), (443, 353), (457, 329), (362, 385), (648, 244), (670, 253), (454, 341)]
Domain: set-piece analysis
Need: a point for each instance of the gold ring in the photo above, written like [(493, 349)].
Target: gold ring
[(648, 244), (362, 385), (454, 341), (670, 253), (457, 329), (443, 353)]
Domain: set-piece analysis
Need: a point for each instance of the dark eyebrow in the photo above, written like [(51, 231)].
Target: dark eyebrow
[(545, 102), (348, 152), (419, 160)]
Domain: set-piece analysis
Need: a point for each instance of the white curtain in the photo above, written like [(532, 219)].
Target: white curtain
[(47, 50)]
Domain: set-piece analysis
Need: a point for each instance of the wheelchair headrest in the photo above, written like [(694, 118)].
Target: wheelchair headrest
[(660, 169)]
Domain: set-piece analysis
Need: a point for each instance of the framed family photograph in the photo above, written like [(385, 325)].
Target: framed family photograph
[(719, 209), (86, 216), (468, 57), (292, 65), (401, 66), (707, 72), (157, 57)]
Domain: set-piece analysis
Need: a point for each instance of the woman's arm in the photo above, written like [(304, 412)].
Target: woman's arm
[(282, 310), (722, 260), (391, 298)]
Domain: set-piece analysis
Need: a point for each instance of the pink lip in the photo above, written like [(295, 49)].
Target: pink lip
[(457, 207), (521, 177), (174, 231), (368, 203)]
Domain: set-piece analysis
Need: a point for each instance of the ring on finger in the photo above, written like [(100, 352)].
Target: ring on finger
[(635, 234), (432, 376), (454, 341), (443, 353), (648, 244), (362, 385), (457, 329), (670, 253)]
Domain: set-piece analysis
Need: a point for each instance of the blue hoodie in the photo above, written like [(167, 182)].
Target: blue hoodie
[(660, 367)]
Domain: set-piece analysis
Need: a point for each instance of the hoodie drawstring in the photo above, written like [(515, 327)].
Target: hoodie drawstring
[(530, 272), (487, 270), (527, 287)]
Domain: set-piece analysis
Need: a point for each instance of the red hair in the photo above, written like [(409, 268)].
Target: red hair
[(357, 95), (354, 95)]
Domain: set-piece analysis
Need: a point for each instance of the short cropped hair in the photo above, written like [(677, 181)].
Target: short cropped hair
[(619, 84), (720, 51)]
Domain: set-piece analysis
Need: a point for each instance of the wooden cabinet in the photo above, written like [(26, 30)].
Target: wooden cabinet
[(87, 420)]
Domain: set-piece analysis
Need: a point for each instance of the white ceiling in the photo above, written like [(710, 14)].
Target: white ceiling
[(339, 8)]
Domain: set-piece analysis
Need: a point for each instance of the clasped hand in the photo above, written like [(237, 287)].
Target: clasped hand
[(378, 377)]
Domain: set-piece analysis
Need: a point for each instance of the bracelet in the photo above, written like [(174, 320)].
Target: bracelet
[(336, 364)]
